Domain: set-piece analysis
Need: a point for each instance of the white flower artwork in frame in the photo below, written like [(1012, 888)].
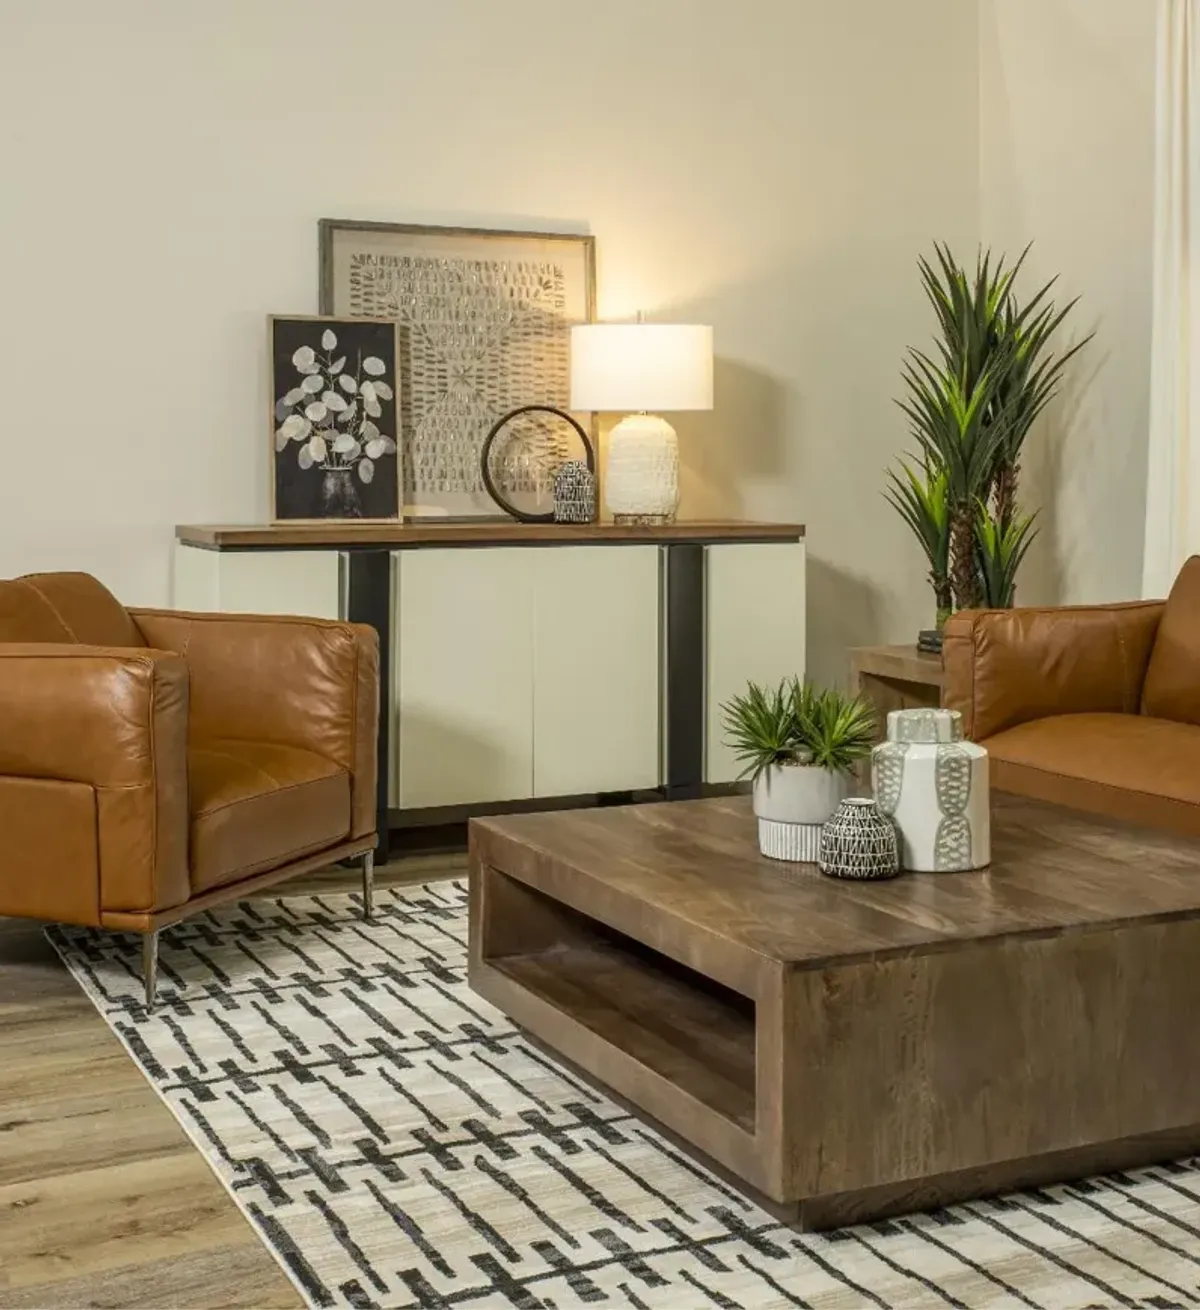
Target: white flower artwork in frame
[(334, 406)]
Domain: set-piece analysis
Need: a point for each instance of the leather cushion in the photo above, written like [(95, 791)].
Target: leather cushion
[(26, 615), (307, 683), (1172, 687), (1004, 667), (84, 609), (1125, 766), (256, 806)]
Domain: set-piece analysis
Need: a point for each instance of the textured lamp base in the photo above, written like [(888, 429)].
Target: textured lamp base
[(641, 481)]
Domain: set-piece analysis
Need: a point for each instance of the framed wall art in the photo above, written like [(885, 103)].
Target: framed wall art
[(483, 322), (335, 398)]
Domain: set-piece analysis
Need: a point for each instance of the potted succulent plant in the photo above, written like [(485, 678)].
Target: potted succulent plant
[(797, 743)]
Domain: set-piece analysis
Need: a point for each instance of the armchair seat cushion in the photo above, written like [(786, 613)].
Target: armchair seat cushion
[(256, 806), (1128, 766)]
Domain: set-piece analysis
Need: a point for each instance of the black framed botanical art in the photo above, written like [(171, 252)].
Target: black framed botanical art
[(334, 404), (484, 321)]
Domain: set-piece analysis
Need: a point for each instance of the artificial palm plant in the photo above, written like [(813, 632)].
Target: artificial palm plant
[(978, 317), (971, 405), (950, 421)]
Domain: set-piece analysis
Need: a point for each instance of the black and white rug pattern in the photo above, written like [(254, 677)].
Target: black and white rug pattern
[(397, 1143)]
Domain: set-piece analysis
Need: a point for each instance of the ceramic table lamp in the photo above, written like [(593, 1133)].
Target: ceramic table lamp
[(641, 367)]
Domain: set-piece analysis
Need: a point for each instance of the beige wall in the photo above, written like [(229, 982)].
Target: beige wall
[(772, 167), (1067, 160)]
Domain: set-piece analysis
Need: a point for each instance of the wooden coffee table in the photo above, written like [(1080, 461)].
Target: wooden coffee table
[(852, 1050)]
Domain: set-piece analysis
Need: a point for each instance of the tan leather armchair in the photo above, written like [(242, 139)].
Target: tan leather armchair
[(1092, 707), (155, 763)]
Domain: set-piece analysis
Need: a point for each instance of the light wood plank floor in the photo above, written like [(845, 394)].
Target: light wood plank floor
[(103, 1200)]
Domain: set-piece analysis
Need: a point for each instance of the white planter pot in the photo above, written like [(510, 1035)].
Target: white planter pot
[(791, 803)]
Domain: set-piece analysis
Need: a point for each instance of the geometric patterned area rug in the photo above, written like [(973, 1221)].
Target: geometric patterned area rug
[(397, 1143)]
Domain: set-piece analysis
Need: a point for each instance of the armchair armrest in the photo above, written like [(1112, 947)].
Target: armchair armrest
[(308, 683), (115, 719), (1004, 667)]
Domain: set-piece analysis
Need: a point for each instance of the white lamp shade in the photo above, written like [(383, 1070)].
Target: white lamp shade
[(626, 367)]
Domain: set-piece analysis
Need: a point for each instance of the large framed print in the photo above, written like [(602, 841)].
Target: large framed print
[(335, 395), (483, 327)]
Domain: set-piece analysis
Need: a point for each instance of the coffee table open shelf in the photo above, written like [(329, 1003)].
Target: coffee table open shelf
[(688, 1029)]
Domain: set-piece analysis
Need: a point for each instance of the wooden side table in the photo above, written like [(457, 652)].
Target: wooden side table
[(896, 678)]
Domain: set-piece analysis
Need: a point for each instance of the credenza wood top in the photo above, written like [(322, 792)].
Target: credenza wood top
[(479, 532), (695, 865)]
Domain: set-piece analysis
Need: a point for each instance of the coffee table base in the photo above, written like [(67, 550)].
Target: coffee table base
[(822, 1213), (1009, 1175), (866, 1083)]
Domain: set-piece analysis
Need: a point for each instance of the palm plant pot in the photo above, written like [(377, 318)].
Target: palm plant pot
[(791, 803), (934, 786), (929, 641), (859, 842)]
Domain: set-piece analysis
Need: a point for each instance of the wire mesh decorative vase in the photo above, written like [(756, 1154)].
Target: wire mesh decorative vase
[(859, 841), (574, 493)]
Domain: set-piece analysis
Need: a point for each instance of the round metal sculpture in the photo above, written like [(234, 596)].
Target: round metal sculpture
[(522, 455)]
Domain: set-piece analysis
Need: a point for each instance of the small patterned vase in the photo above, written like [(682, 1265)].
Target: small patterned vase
[(574, 493), (859, 842), (934, 786)]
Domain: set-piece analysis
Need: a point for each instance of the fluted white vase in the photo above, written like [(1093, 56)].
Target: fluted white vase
[(791, 802)]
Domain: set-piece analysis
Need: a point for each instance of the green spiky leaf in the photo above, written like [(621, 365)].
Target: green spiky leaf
[(999, 549), (796, 723)]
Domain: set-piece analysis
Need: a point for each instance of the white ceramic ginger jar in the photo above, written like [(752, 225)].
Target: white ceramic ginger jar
[(934, 787)]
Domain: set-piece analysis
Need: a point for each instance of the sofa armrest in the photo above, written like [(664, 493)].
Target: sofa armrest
[(309, 683), (115, 719), (1004, 667)]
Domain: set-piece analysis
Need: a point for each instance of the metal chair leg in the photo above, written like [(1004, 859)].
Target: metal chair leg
[(150, 968), (368, 886)]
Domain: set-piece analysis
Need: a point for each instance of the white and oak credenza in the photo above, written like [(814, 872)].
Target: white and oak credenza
[(527, 661)]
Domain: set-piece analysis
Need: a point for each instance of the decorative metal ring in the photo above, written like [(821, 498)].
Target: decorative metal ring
[(492, 490)]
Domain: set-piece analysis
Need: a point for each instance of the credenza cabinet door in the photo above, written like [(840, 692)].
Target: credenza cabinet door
[(595, 669), (755, 632), (463, 667)]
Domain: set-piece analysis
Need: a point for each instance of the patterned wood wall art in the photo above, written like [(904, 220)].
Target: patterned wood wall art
[(483, 319)]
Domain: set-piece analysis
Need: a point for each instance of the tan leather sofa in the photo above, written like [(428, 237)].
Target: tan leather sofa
[(1092, 707), (155, 763)]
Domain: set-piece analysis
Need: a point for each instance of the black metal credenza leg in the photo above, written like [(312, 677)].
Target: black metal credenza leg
[(685, 693), (369, 601)]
